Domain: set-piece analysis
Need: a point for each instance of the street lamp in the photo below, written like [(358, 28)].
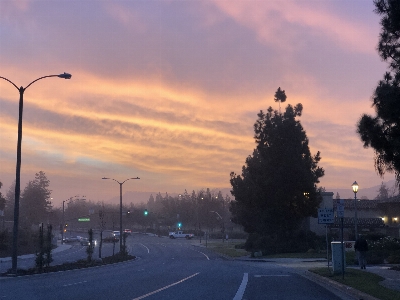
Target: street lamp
[(355, 190), (120, 208), (63, 221), (18, 167)]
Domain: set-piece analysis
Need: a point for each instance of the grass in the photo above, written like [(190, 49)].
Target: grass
[(226, 248), (297, 255), (362, 281)]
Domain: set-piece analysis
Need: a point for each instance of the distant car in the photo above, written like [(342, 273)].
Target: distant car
[(71, 239), (127, 231), (181, 234), (85, 242), (110, 239), (116, 233)]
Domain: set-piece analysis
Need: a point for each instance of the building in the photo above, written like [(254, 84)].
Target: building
[(379, 216)]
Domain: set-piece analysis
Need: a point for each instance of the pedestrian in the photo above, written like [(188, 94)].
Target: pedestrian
[(361, 247)]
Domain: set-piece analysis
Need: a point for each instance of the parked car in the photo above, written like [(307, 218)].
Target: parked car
[(128, 231)]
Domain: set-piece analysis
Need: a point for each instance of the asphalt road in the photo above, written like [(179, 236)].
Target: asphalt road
[(168, 269)]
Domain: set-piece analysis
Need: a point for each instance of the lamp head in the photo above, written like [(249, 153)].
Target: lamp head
[(65, 75), (355, 187)]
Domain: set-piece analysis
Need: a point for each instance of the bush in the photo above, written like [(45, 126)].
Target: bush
[(376, 257), (240, 246), (394, 258)]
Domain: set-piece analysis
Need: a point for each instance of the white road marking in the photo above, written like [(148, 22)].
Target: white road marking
[(148, 250), (271, 275), (202, 253), (80, 282), (165, 287), (242, 287)]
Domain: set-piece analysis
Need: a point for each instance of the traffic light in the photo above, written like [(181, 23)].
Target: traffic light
[(179, 225), (145, 212)]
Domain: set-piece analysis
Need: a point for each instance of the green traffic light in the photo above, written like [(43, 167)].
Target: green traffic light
[(146, 212)]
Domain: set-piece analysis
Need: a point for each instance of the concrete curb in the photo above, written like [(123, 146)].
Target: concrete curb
[(338, 286)]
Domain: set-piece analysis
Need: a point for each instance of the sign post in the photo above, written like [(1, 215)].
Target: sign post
[(326, 216), (340, 214)]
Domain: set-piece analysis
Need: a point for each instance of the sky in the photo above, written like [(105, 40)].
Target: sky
[(169, 91)]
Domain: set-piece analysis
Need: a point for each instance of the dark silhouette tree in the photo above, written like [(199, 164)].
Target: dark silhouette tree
[(2, 202), (382, 132), (278, 185), (280, 97), (35, 200)]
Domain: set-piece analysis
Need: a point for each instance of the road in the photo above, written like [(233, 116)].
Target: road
[(168, 269)]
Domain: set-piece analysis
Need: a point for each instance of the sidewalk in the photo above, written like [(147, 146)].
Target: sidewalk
[(58, 249), (391, 281)]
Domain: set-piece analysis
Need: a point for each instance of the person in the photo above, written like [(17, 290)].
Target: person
[(361, 247)]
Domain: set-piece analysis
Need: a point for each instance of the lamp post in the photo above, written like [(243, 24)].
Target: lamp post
[(355, 190), (21, 91), (120, 208), (63, 221)]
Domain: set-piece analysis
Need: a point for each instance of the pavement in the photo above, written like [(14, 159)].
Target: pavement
[(58, 249), (302, 267)]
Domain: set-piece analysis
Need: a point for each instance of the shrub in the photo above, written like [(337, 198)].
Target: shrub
[(394, 258)]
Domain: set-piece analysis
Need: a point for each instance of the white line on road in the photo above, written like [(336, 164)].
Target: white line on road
[(242, 287), (165, 287), (201, 253), (148, 250), (271, 275), (75, 283)]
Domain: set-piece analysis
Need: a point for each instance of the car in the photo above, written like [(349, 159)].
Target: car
[(71, 239), (110, 239), (116, 233), (85, 242), (181, 234), (128, 231)]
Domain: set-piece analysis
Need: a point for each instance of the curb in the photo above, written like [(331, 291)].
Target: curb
[(338, 286)]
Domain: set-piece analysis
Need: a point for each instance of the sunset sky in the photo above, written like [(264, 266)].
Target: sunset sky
[(169, 90)]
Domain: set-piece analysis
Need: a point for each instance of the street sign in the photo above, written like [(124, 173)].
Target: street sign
[(325, 216), (84, 219), (340, 208)]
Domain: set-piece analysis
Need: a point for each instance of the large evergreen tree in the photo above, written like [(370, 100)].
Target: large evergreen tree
[(277, 188), (382, 132), (35, 200)]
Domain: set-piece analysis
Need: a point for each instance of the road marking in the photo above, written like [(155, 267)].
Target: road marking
[(165, 287), (148, 250), (271, 275), (201, 253), (242, 287), (80, 282)]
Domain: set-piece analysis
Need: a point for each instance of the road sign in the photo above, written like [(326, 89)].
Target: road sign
[(325, 216), (84, 219), (340, 208)]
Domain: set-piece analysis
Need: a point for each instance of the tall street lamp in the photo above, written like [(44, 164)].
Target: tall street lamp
[(120, 208), (18, 167), (63, 221), (355, 190)]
